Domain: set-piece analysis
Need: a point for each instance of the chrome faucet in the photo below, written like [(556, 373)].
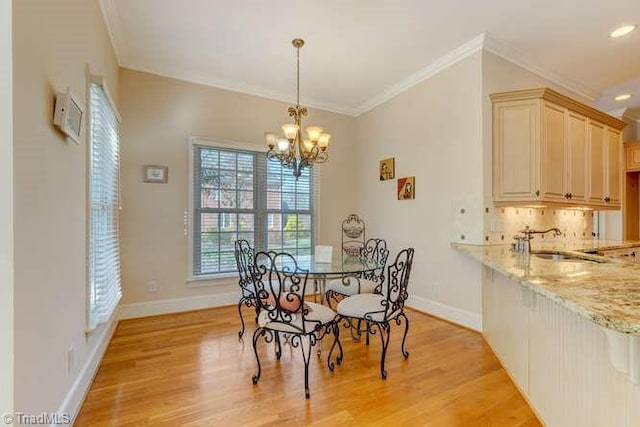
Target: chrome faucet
[(523, 243)]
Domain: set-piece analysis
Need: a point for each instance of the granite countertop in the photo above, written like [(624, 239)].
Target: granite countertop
[(607, 293)]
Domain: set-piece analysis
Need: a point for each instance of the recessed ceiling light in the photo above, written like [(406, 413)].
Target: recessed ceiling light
[(622, 31), (623, 97)]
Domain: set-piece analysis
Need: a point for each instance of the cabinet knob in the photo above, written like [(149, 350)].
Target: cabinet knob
[(537, 193), (607, 199), (571, 195), (567, 196)]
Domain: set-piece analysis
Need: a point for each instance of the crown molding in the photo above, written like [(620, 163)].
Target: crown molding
[(245, 89), (480, 42), (505, 51), (116, 34), (632, 116), (114, 26), (452, 57), (625, 113)]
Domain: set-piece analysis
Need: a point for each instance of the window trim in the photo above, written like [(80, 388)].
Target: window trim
[(90, 310), (220, 279)]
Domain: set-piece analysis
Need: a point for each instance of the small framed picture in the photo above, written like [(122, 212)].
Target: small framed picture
[(387, 169), (407, 188), (157, 174)]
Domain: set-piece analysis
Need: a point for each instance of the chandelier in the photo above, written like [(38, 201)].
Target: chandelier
[(292, 150)]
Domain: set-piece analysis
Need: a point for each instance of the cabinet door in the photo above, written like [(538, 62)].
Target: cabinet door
[(597, 162), (516, 151), (632, 155), (614, 160), (554, 165), (577, 157)]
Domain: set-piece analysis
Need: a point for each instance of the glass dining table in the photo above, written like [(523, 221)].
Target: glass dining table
[(340, 266)]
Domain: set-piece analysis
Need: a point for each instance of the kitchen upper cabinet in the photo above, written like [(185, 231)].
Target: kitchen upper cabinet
[(613, 184), (632, 156), (551, 149), (605, 181), (554, 153), (597, 177), (577, 158), (631, 198)]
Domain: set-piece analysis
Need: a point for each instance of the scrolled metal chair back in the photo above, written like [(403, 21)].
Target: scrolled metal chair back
[(244, 254), (375, 251), (397, 282), (280, 289)]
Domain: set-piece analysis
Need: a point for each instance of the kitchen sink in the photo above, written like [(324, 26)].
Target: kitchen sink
[(566, 256)]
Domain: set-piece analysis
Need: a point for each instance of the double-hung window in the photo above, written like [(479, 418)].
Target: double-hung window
[(104, 200), (239, 194)]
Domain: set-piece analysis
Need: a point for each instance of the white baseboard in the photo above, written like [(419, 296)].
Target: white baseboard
[(177, 305), (452, 314), (75, 397)]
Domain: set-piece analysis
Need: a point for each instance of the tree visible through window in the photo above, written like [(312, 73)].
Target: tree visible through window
[(240, 195)]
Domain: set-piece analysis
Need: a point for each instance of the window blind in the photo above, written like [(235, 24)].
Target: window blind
[(104, 196), (239, 194)]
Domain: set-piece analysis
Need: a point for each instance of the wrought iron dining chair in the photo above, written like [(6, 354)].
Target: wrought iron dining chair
[(369, 281), (244, 254), (379, 310), (280, 287)]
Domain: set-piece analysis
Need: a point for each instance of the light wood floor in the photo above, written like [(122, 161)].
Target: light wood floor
[(189, 369)]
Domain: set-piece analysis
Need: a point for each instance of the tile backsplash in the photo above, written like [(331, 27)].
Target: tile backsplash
[(502, 223)]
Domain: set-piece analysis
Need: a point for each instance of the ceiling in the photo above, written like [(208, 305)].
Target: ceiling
[(359, 53)]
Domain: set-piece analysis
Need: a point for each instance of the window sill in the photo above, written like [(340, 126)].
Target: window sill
[(212, 280)]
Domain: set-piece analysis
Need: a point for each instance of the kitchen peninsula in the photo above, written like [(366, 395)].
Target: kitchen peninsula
[(567, 331)]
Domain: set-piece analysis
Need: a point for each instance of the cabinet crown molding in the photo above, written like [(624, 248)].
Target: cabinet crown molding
[(559, 99)]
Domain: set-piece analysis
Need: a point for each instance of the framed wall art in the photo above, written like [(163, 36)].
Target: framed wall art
[(407, 188), (387, 169), (156, 174)]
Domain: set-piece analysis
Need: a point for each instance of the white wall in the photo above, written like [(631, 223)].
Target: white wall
[(160, 114), (54, 41), (434, 132), (6, 211)]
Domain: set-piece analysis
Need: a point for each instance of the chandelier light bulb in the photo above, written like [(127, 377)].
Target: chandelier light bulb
[(290, 131), (271, 138), (323, 141), (314, 133), (308, 145), (283, 144)]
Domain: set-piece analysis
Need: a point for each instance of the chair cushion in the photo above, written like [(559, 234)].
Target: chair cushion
[(317, 313), (349, 286), (359, 305), (290, 302)]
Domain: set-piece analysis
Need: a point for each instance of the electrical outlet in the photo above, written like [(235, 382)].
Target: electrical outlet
[(152, 286), (70, 359)]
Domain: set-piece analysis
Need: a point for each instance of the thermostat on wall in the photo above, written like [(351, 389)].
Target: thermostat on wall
[(69, 115)]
